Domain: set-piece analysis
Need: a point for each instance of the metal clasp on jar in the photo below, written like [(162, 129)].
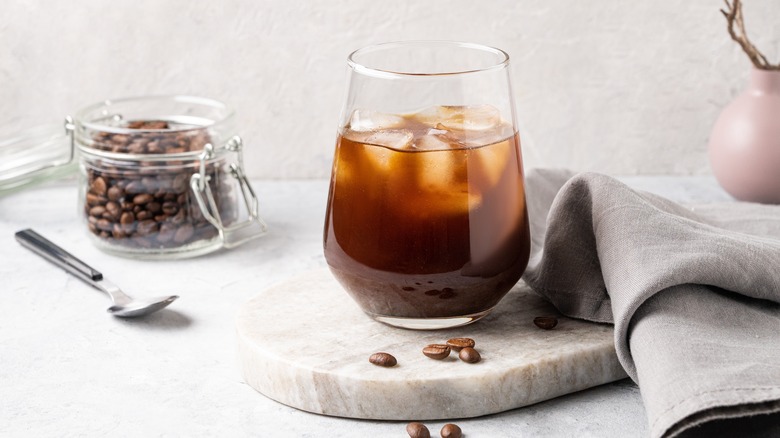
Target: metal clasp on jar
[(238, 233)]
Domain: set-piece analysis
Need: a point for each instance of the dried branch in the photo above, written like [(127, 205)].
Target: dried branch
[(736, 27)]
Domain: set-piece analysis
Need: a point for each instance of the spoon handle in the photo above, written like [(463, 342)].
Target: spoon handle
[(53, 253)]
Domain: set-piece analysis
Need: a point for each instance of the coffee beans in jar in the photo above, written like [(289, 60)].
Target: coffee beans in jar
[(149, 204), (161, 186)]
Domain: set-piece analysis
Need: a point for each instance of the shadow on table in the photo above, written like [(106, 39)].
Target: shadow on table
[(166, 319)]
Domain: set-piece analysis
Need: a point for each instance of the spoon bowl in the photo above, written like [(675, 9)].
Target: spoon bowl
[(141, 307)]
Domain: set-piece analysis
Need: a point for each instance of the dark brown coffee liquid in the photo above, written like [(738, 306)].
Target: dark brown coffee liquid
[(427, 223)]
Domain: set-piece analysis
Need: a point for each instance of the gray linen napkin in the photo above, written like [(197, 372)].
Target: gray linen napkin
[(694, 293)]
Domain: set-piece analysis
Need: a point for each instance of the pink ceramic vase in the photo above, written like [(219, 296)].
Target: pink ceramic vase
[(745, 142)]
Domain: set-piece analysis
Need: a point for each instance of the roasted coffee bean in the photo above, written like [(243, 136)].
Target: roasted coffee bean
[(142, 215), (97, 211), (119, 138), (93, 199), (134, 187), (155, 124), (127, 218), (181, 182), (135, 147), (113, 209), (458, 343), (417, 430), (115, 193), (98, 186), (150, 184), (104, 225), (167, 231), (383, 359), (153, 147), (143, 198), (117, 232), (179, 217), (546, 322), (147, 124), (436, 351), (469, 355), (170, 208), (146, 227), (184, 233), (451, 431), (154, 207)]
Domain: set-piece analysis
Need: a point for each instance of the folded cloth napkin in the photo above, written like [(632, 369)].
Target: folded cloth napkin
[(693, 291)]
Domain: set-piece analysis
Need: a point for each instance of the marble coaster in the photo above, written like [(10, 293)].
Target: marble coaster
[(306, 344)]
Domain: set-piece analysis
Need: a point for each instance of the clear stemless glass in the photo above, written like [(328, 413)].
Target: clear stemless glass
[(426, 224)]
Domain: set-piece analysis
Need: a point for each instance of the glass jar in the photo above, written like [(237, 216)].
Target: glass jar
[(163, 177)]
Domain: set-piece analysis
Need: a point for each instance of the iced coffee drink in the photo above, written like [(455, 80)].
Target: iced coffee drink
[(426, 214)]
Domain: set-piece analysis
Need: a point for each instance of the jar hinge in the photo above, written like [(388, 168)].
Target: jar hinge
[(238, 233)]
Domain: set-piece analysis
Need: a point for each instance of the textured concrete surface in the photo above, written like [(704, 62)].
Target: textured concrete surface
[(69, 369), (611, 86)]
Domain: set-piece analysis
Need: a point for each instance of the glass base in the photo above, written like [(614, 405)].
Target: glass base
[(430, 323)]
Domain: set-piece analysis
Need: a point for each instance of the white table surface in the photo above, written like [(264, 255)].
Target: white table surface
[(67, 368)]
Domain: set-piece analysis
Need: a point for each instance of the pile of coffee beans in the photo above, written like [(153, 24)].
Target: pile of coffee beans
[(464, 347), (149, 203), (416, 429)]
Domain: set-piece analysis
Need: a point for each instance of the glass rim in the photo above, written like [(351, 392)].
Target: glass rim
[(503, 60), (97, 126)]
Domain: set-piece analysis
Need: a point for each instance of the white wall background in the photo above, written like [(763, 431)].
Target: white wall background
[(622, 87)]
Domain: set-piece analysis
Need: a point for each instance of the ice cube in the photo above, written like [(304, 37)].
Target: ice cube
[(466, 117), (369, 120), (391, 138), (492, 160), (483, 137), (442, 170), (377, 146), (380, 158), (432, 142)]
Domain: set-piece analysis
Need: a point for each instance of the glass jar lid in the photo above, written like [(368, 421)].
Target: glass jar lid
[(35, 155)]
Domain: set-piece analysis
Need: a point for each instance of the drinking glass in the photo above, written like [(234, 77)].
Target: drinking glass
[(426, 224)]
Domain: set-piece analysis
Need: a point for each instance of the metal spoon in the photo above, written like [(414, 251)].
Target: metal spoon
[(124, 306)]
